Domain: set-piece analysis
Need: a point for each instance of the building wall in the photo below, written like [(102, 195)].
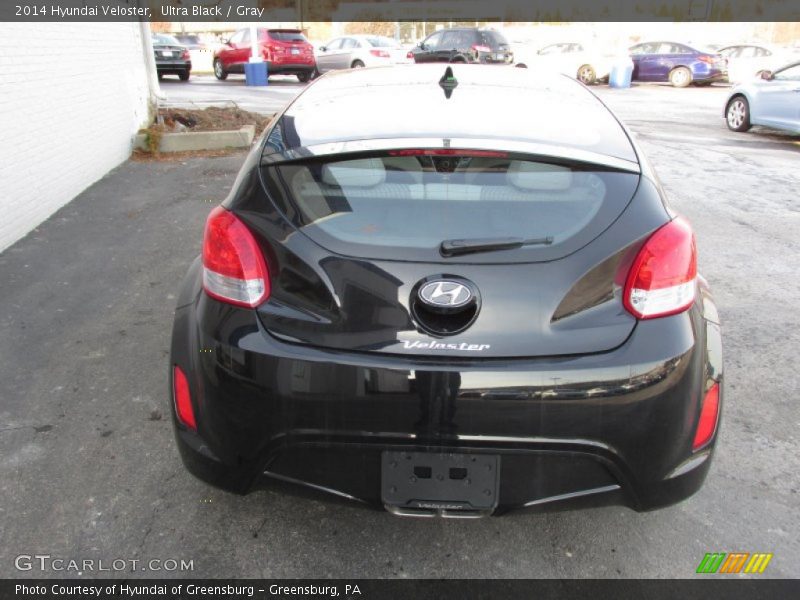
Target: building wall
[(71, 97)]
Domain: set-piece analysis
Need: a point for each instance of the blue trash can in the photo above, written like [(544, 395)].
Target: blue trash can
[(255, 73), (621, 74)]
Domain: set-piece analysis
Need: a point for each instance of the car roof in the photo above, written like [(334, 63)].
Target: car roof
[(498, 107)]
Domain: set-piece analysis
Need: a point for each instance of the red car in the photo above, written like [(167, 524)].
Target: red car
[(286, 51)]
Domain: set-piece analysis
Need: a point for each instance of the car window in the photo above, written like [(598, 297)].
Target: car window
[(747, 52), (162, 38), (381, 42), (644, 49), (762, 52), (416, 202), (789, 74), (666, 48), (453, 39), (238, 37), (552, 49), (433, 41), (575, 48), (287, 36), (334, 44), (493, 39), (348, 43)]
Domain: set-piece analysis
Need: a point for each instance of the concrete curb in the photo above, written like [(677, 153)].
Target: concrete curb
[(200, 140)]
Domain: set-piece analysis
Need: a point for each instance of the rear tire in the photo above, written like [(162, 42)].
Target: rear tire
[(587, 75), (305, 77), (357, 64), (680, 77), (219, 71), (737, 114), (184, 75)]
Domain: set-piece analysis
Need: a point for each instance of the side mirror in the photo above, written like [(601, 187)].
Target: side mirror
[(422, 46), (766, 75), (227, 43), (323, 48)]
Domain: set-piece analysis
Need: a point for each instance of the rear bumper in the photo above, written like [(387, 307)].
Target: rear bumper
[(710, 75), (274, 68), (613, 428), (173, 66)]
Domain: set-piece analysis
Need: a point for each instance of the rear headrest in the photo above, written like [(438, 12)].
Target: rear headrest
[(539, 176), (365, 172)]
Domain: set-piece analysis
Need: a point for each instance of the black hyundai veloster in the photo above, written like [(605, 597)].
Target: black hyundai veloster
[(448, 291)]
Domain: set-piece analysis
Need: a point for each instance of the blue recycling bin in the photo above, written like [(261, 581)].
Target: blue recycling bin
[(621, 74), (255, 73)]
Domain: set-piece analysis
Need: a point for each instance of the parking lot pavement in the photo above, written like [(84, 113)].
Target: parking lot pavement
[(206, 90), (87, 463)]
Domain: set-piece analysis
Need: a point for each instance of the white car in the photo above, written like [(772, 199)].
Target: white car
[(356, 51), (746, 61), (580, 61)]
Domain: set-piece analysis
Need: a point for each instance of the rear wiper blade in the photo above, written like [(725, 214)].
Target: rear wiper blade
[(459, 247)]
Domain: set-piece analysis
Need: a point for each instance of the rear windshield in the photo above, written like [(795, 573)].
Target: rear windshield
[(381, 42), (162, 38), (381, 206), (287, 36), (493, 38)]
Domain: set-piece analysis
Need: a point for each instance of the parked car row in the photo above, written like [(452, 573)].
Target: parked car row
[(287, 51)]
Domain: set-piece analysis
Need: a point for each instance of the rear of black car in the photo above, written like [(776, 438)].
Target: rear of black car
[(446, 328), (171, 57), (464, 45)]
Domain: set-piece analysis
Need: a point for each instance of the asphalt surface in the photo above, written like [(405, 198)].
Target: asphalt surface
[(88, 468)]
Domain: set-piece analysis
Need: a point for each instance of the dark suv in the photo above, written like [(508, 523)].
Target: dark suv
[(467, 45)]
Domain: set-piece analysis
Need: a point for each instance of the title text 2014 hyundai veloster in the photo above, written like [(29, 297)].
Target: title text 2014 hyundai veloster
[(451, 292)]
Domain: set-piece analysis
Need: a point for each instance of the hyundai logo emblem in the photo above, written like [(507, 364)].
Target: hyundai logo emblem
[(445, 293)]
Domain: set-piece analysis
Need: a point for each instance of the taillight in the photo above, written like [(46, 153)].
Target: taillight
[(709, 415), (707, 59), (186, 55), (480, 48), (234, 270), (409, 54), (183, 399), (662, 278), (381, 53)]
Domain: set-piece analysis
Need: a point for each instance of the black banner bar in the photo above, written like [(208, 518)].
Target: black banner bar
[(398, 10), (702, 588)]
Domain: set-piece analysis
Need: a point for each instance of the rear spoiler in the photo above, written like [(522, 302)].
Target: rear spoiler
[(274, 151)]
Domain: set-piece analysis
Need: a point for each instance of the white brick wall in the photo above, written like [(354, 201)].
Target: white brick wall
[(71, 97)]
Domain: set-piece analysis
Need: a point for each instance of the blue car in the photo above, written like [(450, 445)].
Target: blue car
[(678, 64), (772, 101)]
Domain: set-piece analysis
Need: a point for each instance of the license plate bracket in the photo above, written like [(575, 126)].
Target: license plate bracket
[(440, 480)]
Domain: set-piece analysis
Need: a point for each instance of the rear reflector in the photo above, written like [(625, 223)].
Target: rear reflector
[(709, 415), (663, 277), (234, 270), (447, 152), (183, 400)]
